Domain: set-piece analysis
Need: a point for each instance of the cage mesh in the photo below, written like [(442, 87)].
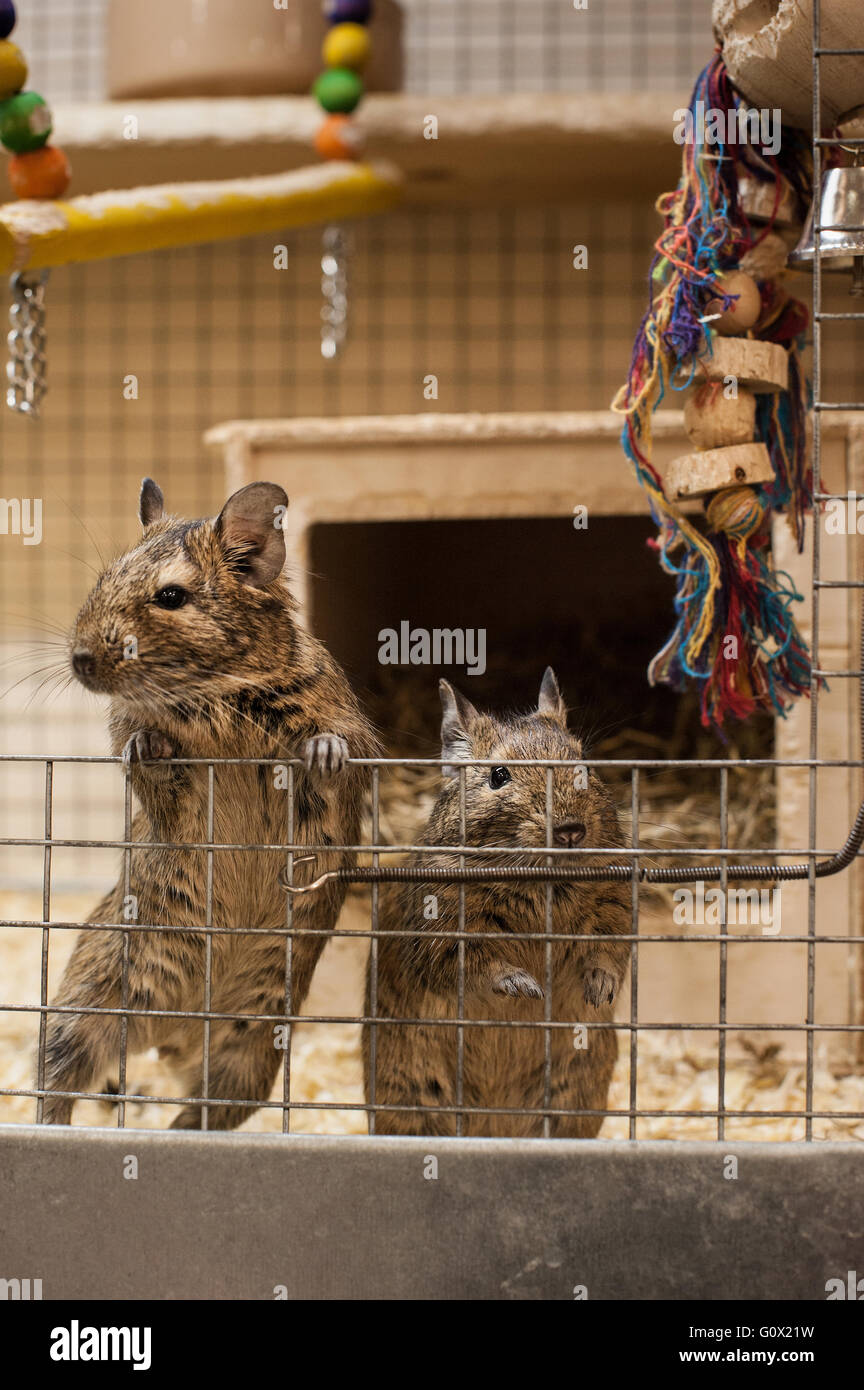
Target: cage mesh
[(487, 300)]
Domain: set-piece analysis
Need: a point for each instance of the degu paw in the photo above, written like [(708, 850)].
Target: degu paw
[(518, 984), (599, 987), (147, 746), (325, 754)]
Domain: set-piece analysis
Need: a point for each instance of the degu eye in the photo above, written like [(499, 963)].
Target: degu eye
[(498, 777), (172, 597)]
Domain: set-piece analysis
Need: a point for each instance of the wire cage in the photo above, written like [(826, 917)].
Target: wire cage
[(485, 298)]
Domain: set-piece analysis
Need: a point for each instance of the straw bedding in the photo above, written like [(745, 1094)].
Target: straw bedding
[(675, 1071)]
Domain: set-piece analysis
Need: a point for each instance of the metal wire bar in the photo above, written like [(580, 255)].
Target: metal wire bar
[(373, 956), (129, 908), (311, 851), (358, 934), (208, 951), (634, 955), (547, 966), (289, 965), (460, 963), (721, 1003), (46, 933), (534, 1025), (817, 552), (655, 764), (346, 1105), (595, 873)]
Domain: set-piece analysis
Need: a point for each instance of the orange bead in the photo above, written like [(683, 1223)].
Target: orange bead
[(41, 173), (339, 138)]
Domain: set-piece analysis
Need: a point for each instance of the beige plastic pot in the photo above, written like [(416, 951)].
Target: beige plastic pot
[(180, 48)]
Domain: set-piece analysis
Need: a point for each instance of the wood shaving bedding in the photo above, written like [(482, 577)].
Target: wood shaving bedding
[(676, 1071)]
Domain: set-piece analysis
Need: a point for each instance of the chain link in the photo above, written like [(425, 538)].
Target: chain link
[(25, 369), (334, 285)]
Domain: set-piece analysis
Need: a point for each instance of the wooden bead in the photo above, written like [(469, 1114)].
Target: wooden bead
[(7, 18), (25, 122), (339, 138), (357, 11), (758, 200), (13, 69), (693, 475), (736, 511), (338, 90), (713, 420), (851, 127), (757, 365), (42, 173), (745, 310), (346, 46)]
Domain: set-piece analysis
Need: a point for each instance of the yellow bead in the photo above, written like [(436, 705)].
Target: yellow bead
[(13, 69), (346, 46)]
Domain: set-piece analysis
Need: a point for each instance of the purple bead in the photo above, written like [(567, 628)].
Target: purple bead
[(342, 11), (7, 18)]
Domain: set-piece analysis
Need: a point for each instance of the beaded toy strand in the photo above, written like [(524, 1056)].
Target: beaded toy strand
[(36, 170)]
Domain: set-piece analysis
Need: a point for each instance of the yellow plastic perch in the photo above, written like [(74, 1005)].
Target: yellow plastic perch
[(35, 235)]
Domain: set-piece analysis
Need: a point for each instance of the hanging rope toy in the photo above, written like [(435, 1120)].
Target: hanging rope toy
[(720, 325)]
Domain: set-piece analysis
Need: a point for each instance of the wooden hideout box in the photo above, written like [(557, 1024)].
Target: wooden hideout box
[(365, 471)]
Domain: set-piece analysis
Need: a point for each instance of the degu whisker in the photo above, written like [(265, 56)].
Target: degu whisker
[(29, 675)]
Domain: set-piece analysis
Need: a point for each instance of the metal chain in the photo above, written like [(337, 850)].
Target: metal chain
[(25, 369), (334, 285)]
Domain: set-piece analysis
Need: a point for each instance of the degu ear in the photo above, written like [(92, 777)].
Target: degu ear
[(151, 503), (249, 530), (550, 701), (458, 716)]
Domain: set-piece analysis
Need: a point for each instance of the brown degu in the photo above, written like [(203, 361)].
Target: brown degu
[(505, 974), (193, 635)]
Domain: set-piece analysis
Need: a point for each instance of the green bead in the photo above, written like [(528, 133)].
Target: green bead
[(338, 89), (25, 122)]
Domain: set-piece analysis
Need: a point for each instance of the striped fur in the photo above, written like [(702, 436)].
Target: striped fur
[(228, 674), (417, 976)]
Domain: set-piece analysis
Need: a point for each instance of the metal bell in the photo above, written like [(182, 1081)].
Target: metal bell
[(841, 241)]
